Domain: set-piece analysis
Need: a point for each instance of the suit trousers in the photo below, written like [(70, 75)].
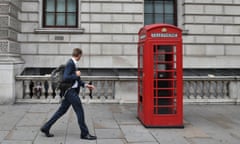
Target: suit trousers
[(71, 98)]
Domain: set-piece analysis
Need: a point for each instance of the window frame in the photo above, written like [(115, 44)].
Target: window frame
[(153, 14), (44, 7)]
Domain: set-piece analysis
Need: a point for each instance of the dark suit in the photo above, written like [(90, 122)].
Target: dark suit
[(71, 98)]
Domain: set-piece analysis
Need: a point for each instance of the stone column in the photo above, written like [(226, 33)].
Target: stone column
[(234, 91), (10, 58)]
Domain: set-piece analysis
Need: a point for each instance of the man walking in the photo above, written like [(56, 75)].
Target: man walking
[(71, 75)]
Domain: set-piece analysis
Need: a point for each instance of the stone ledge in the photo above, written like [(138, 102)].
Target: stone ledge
[(59, 31), (55, 101), (31, 101), (185, 101), (209, 101)]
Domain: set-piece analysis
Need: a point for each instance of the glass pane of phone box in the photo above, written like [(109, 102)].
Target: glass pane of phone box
[(164, 53)]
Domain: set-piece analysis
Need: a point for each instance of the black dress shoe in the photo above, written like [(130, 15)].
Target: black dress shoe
[(88, 137), (46, 132)]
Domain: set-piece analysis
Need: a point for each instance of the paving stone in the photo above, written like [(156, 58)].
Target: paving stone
[(14, 108), (32, 119), (110, 141), (169, 136), (59, 129), (58, 138), (146, 143), (115, 109), (190, 131), (75, 139), (117, 124), (61, 123), (109, 133), (9, 119), (90, 125), (52, 111), (131, 108), (136, 133), (205, 141), (105, 124), (16, 142), (73, 127), (235, 134), (42, 108), (126, 118), (97, 111), (202, 117), (224, 137), (1, 113), (23, 134), (3, 134), (73, 133)]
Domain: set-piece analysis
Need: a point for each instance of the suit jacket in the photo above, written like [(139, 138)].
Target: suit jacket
[(70, 76)]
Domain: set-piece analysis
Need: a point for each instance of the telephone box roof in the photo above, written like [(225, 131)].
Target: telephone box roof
[(153, 26)]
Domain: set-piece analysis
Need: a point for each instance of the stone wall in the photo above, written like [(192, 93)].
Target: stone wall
[(107, 34), (10, 58), (212, 39), (9, 28)]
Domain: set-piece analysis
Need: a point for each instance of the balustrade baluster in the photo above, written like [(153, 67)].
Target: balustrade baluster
[(95, 91), (205, 89), (57, 97), (99, 89), (41, 90), (219, 89), (46, 88), (50, 90), (192, 89), (226, 89), (106, 88), (199, 89), (212, 90), (186, 89), (103, 91), (50, 95), (110, 89), (113, 89), (28, 94), (84, 93)]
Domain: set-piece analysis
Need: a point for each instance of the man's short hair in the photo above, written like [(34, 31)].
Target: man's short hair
[(76, 52)]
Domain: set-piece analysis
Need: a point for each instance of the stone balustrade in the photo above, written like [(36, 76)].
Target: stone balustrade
[(119, 89), (204, 89), (40, 89)]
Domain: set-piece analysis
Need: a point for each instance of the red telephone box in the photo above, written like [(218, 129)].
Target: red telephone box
[(160, 98)]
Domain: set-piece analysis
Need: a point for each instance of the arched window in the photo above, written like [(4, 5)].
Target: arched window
[(60, 13), (160, 11)]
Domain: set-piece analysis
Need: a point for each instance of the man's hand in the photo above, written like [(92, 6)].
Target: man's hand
[(91, 87), (78, 73)]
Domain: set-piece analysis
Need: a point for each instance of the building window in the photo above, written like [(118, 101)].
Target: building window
[(60, 13), (160, 11)]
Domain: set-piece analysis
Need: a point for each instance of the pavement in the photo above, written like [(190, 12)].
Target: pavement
[(117, 124)]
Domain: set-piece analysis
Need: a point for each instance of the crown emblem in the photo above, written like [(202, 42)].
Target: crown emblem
[(164, 30)]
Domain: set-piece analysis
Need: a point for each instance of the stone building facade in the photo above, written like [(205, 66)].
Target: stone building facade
[(11, 62), (107, 32)]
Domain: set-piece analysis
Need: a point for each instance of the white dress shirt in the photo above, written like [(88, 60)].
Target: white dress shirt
[(75, 85)]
